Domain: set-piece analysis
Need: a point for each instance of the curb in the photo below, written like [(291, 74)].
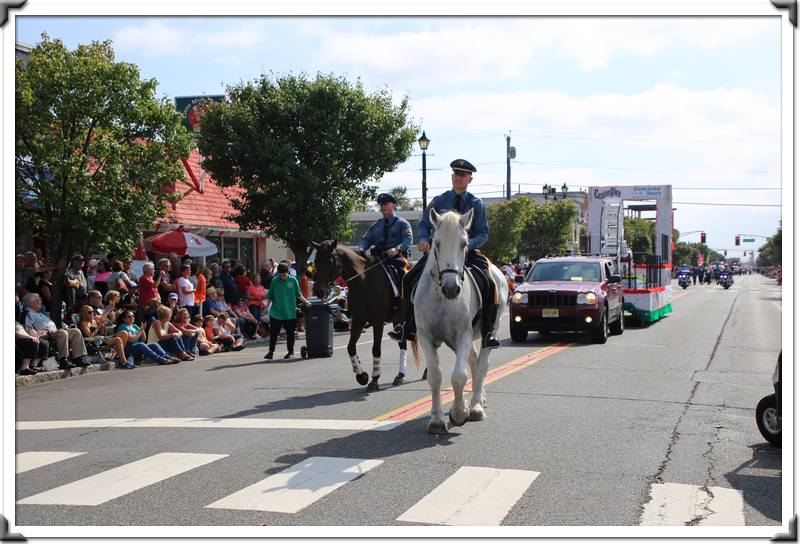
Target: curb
[(42, 377)]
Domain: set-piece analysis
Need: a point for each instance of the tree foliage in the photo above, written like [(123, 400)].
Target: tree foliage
[(689, 253), (640, 235), (548, 230), (403, 202), (95, 150), (770, 253), (507, 220), (304, 152)]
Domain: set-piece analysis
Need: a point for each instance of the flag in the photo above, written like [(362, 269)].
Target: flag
[(701, 259)]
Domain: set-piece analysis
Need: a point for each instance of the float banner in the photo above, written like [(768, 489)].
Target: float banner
[(190, 108)]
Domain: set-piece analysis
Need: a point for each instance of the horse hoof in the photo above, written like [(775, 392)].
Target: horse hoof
[(437, 427), (454, 422), (373, 386), (362, 378), (398, 380), (477, 414)]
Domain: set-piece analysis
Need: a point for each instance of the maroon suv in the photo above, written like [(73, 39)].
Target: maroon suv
[(569, 294)]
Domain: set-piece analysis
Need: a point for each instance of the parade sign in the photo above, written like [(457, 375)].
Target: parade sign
[(191, 107)]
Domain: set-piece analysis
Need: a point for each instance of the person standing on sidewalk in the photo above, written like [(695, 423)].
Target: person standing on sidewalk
[(284, 292)]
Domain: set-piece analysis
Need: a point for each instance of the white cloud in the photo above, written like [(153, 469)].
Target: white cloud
[(159, 38), (464, 50)]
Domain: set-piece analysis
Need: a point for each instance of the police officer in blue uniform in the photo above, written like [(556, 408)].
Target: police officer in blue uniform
[(388, 238), (460, 200)]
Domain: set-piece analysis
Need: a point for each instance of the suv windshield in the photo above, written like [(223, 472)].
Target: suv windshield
[(565, 271)]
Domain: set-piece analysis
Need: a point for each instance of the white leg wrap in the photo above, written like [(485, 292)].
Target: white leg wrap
[(356, 364), (376, 367), (403, 358)]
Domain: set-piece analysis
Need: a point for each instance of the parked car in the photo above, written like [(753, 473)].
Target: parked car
[(582, 294)]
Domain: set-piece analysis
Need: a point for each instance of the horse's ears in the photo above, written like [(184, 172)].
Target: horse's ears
[(335, 243), (435, 217), (466, 219), (315, 245)]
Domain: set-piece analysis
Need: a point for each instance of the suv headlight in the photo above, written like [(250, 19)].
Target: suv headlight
[(520, 298), (586, 298)]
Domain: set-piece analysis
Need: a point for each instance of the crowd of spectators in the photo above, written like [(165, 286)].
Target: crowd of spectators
[(174, 311)]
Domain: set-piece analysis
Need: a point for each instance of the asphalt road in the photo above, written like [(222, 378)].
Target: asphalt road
[(586, 435)]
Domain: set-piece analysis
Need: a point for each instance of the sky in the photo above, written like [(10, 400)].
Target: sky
[(689, 102)]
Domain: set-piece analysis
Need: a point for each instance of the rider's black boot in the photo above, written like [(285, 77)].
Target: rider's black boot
[(407, 330), (490, 339)]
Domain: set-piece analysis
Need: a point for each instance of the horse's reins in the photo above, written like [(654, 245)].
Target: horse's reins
[(459, 273)]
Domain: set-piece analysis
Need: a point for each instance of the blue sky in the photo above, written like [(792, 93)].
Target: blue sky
[(692, 102)]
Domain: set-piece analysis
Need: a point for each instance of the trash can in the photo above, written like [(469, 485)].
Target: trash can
[(319, 329)]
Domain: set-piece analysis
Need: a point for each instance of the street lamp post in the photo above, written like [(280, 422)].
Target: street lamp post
[(549, 191), (423, 145)]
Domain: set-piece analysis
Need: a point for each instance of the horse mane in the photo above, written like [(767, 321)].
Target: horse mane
[(357, 261)]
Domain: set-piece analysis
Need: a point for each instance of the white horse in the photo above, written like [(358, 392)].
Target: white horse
[(445, 303)]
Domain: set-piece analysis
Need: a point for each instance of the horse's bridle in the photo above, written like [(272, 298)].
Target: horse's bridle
[(336, 267), (459, 273)]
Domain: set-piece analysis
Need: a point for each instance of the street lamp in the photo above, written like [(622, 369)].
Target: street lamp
[(423, 145), (549, 191), (564, 190)]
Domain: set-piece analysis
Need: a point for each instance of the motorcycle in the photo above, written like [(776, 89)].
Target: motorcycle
[(768, 411), (725, 280), (684, 280)]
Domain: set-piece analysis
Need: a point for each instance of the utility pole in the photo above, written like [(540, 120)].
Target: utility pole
[(511, 153)]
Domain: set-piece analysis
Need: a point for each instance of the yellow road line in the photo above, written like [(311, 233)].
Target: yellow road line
[(423, 405)]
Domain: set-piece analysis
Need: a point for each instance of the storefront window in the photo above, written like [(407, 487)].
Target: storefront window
[(230, 248), (246, 252)]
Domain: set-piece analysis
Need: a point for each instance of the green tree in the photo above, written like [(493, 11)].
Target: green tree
[(95, 153), (770, 253), (640, 235), (304, 152), (403, 203), (507, 220), (548, 229)]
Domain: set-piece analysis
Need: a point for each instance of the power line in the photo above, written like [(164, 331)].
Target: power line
[(651, 169), (728, 204)]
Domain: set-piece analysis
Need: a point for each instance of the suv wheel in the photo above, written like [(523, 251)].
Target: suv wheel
[(618, 326), (519, 334), (600, 335)]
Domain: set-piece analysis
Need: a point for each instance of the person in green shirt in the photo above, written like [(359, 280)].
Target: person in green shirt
[(284, 292)]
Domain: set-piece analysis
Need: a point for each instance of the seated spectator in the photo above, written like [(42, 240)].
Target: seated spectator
[(172, 303), (67, 341), (92, 328), (137, 347), (111, 303), (204, 345), (216, 303), (31, 349), (255, 296), (246, 321), (225, 333), (169, 337), (211, 330), (189, 331)]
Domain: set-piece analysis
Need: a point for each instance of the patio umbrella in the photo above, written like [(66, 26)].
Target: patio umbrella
[(182, 243)]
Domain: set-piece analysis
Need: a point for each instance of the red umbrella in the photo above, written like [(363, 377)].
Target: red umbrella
[(183, 243)]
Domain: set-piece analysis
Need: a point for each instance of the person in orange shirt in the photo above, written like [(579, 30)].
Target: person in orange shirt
[(255, 296), (200, 288)]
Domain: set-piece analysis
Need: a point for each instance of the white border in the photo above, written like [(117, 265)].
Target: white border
[(364, 7)]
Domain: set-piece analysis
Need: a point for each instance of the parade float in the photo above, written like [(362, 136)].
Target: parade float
[(646, 278)]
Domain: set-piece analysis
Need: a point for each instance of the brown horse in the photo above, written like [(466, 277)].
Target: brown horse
[(370, 301)]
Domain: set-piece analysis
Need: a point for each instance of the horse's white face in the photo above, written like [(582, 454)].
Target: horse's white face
[(450, 250)]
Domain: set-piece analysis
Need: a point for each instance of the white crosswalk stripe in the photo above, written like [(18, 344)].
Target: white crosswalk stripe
[(213, 423), (30, 460), (298, 486), (472, 496), (681, 504), (122, 480)]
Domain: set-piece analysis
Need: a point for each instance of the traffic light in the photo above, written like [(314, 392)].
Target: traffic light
[(702, 237), (737, 239)]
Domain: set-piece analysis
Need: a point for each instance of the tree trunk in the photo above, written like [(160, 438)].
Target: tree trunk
[(300, 257)]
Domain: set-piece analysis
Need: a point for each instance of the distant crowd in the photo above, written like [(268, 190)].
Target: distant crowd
[(174, 311)]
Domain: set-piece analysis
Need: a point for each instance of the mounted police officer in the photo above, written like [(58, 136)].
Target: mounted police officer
[(461, 201), (388, 238)]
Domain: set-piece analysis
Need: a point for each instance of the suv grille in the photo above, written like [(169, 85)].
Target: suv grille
[(552, 300)]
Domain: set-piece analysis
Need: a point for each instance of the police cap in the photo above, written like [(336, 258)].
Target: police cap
[(383, 198), (463, 166)]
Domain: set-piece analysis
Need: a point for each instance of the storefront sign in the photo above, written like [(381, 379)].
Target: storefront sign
[(191, 107)]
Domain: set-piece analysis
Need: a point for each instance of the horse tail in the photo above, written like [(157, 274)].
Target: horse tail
[(416, 351)]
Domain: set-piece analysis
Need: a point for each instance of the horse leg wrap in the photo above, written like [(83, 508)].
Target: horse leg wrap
[(356, 364), (403, 359), (376, 367)]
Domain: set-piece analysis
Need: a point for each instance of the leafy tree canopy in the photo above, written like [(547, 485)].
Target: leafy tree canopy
[(304, 152), (507, 220), (770, 253), (548, 229), (95, 149)]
